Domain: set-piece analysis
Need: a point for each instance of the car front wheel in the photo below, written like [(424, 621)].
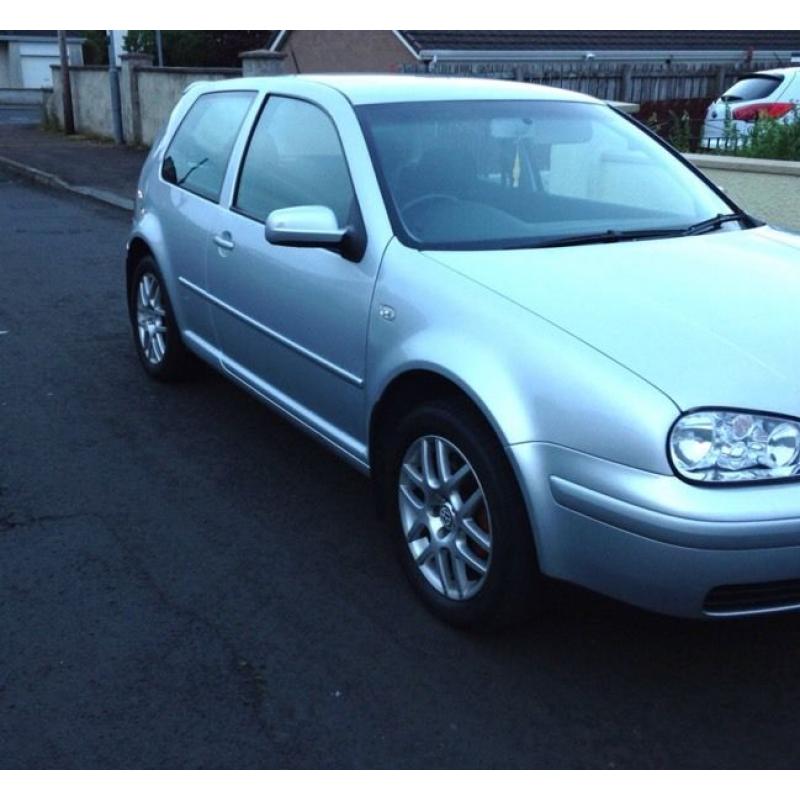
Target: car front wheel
[(461, 524)]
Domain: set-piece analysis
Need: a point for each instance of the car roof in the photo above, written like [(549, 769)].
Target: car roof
[(370, 89), (782, 71), (361, 89)]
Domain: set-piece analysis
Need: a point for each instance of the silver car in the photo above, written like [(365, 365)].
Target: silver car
[(556, 347)]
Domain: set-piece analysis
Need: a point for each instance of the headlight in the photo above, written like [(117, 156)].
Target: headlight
[(724, 446)]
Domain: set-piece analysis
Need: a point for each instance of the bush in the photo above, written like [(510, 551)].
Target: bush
[(95, 47), (773, 138), (198, 48), (679, 121)]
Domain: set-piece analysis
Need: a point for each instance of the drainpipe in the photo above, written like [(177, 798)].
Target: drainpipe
[(113, 79), (159, 50), (66, 84)]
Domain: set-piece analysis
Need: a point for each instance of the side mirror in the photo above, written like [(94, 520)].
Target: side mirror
[(304, 226), (168, 171)]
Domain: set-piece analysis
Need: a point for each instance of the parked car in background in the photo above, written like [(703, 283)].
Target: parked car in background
[(556, 347), (772, 93)]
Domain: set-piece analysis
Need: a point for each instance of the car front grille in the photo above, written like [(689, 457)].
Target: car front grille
[(752, 598)]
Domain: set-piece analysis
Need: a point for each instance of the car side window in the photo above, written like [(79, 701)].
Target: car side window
[(197, 157), (294, 158)]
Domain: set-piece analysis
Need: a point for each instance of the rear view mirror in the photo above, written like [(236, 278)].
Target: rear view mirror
[(304, 226), (544, 130)]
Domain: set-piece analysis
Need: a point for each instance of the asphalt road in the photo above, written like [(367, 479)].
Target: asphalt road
[(188, 581)]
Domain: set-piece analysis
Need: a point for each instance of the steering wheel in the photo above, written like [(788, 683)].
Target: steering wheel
[(426, 198)]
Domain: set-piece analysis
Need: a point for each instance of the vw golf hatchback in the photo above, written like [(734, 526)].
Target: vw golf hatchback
[(556, 347)]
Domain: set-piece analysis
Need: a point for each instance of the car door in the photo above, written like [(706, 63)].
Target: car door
[(193, 171), (292, 322)]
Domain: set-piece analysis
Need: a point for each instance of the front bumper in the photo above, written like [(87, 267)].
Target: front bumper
[(656, 541)]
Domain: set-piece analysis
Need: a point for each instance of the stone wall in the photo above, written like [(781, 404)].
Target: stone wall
[(160, 89), (91, 100), (770, 190), (147, 96)]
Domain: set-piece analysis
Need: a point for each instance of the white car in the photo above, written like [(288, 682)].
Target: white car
[(774, 93)]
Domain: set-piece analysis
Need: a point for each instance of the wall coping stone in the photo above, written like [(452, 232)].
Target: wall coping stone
[(622, 105), (82, 67), (267, 55), (233, 71), (738, 164)]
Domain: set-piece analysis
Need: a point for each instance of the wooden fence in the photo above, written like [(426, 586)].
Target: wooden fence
[(634, 83)]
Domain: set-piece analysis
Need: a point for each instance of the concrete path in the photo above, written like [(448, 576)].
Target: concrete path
[(104, 171)]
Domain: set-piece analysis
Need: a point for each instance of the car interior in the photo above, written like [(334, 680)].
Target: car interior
[(510, 180)]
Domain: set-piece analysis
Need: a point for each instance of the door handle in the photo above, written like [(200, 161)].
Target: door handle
[(224, 240)]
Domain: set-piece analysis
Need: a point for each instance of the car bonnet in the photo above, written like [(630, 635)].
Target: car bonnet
[(710, 320)]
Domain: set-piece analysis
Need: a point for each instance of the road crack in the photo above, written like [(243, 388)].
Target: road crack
[(254, 682), (12, 521)]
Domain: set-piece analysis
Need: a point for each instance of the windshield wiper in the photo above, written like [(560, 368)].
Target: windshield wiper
[(606, 236), (603, 237), (717, 221), (704, 226)]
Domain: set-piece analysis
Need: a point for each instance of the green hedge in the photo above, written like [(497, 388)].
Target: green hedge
[(773, 138)]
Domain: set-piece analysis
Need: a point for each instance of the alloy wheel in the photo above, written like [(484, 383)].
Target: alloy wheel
[(151, 318), (445, 517)]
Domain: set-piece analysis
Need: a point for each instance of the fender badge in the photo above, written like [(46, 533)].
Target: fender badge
[(386, 312)]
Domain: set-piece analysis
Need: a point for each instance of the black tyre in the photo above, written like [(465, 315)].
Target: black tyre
[(155, 333), (459, 519)]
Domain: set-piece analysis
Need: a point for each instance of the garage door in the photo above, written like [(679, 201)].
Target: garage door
[(35, 60)]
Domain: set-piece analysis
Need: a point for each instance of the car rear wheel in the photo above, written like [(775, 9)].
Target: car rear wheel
[(156, 336), (460, 522)]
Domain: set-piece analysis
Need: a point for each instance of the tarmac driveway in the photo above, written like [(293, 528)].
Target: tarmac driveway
[(188, 581)]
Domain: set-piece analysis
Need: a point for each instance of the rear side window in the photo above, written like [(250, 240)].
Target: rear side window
[(294, 158), (753, 87), (198, 154)]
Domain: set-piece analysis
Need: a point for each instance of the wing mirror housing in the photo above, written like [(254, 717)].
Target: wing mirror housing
[(304, 226), (315, 226)]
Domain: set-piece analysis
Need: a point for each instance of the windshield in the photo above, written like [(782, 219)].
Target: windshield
[(466, 175)]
